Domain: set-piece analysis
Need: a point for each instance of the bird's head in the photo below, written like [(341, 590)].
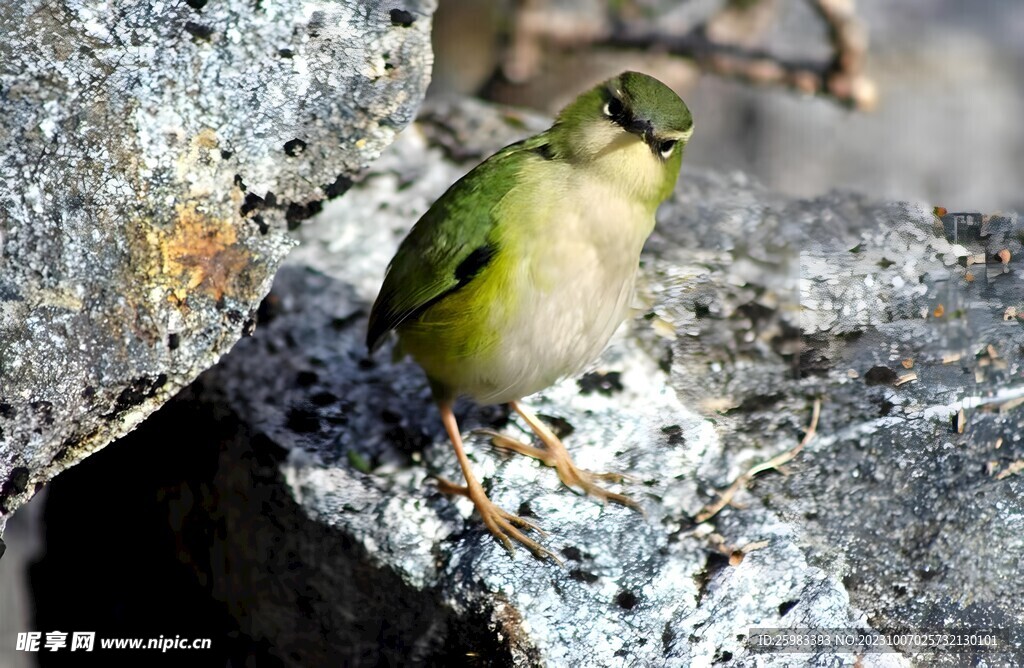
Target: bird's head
[(633, 125)]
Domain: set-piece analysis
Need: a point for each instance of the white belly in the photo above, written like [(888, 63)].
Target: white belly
[(571, 294)]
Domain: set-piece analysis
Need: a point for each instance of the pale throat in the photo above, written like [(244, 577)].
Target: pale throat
[(623, 160)]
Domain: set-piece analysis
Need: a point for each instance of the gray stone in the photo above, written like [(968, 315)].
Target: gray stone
[(754, 306), (154, 157)]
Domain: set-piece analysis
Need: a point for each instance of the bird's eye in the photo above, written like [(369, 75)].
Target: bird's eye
[(613, 107), (665, 147)]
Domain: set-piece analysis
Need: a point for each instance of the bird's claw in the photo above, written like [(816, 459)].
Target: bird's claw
[(501, 523), (572, 476)]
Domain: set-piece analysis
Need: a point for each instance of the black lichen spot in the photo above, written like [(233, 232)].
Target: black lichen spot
[(238, 182), (323, 398), (559, 425), (626, 600), (261, 223), (525, 510), (884, 406), (390, 417), (196, 4), (880, 375), (252, 203), (295, 147), (306, 378), (701, 309), (722, 656), (338, 188), (474, 263), (285, 53), (248, 327), (665, 363), (226, 155), (15, 484), (7, 411), (675, 434), (402, 17), (173, 340), (296, 213), (302, 420), (572, 552), (141, 388), (199, 31), (43, 410), (602, 383), (786, 606), (582, 576)]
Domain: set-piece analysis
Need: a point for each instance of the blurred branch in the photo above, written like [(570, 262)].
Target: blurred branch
[(841, 78)]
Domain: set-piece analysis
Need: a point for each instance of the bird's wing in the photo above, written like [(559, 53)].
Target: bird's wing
[(451, 243)]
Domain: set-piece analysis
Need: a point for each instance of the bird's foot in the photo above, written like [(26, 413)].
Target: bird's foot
[(502, 524), (556, 456)]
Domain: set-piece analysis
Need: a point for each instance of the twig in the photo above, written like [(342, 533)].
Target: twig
[(725, 497), (842, 78)]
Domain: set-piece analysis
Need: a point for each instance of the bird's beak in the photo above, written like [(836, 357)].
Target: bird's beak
[(641, 128)]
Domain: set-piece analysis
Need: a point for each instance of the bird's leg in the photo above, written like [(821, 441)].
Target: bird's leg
[(554, 454), (499, 522)]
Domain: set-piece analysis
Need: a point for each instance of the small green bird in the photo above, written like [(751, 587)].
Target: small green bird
[(521, 272)]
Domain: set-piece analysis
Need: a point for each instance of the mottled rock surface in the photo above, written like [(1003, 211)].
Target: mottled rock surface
[(900, 514), (154, 157)]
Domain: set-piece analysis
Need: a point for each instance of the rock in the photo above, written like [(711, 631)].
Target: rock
[(756, 305), (321, 531), (155, 157)]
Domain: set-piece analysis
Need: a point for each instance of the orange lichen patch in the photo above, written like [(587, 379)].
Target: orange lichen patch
[(200, 253), (206, 138)]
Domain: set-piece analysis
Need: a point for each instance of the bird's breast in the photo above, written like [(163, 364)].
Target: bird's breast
[(572, 262)]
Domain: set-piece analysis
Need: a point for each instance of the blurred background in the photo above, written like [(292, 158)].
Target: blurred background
[(930, 109), (915, 99)]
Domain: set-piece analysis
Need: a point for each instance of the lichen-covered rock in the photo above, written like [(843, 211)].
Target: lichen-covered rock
[(154, 156), (755, 306)]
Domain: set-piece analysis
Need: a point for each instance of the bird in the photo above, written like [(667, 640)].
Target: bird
[(519, 274)]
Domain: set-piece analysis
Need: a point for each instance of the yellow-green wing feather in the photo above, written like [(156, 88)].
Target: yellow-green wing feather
[(453, 241)]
